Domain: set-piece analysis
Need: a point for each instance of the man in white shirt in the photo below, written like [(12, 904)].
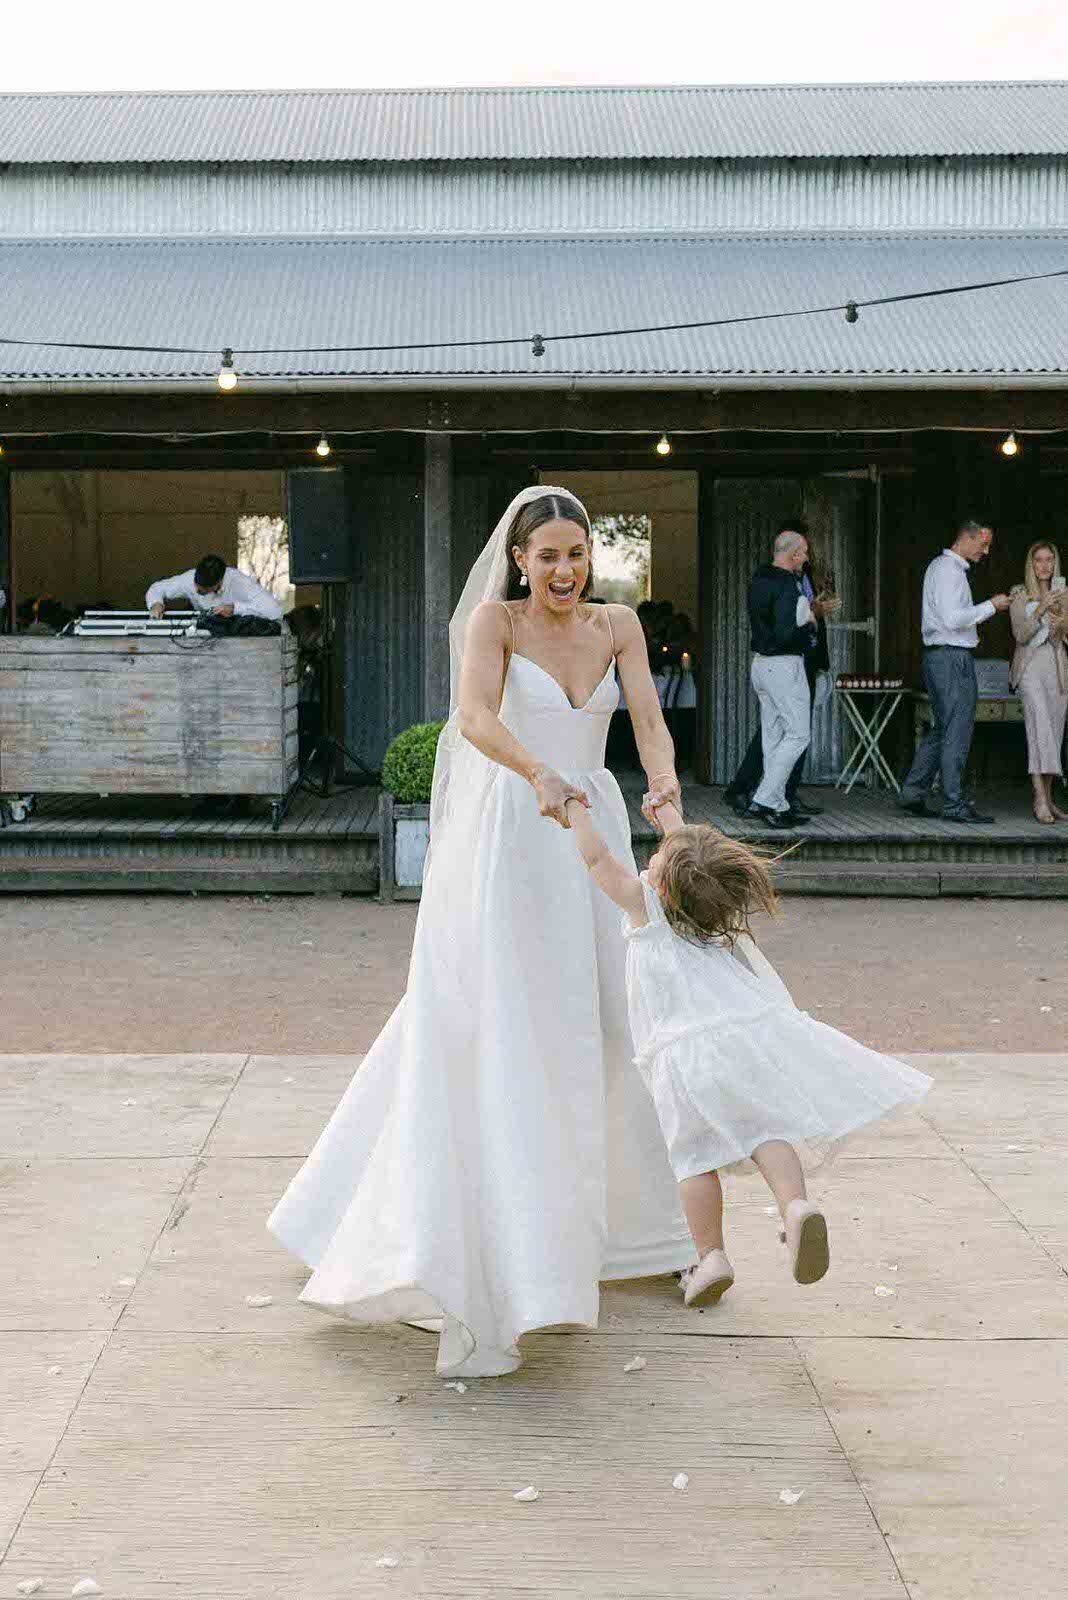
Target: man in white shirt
[(213, 586), (950, 625)]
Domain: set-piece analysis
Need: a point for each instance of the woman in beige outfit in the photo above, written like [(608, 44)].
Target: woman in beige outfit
[(1039, 672)]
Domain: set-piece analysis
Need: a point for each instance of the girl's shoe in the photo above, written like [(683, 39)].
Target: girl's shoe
[(709, 1281), (805, 1236)]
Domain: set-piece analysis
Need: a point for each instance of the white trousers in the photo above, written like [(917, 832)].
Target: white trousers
[(785, 723)]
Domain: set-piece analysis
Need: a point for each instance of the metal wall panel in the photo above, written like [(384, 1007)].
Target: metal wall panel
[(566, 123), (381, 616), (836, 510), (632, 197), (745, 513)]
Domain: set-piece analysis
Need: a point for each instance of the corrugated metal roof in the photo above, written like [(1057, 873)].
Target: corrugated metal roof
[(279, 293), (531, 124), (989, 194)]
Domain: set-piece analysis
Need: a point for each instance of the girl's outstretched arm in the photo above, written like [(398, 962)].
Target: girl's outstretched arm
[(665, 817), (615, 880)]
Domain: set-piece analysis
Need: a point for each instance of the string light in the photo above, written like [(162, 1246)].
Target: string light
[(537, 345), (663, 445), (323, 447), (851, 312), (1010, 446), (227, 375)]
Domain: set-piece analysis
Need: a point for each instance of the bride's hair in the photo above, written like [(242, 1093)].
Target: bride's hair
[(534, 515), (710, 885)]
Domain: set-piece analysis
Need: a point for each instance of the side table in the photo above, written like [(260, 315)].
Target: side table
[(869, 721)]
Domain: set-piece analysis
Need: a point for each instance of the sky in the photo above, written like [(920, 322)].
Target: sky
[(232, 44)]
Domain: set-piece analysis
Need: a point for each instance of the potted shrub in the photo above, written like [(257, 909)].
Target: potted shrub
[(407, 774)]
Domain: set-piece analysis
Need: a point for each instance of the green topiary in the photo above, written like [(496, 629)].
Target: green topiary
[(408, 767)]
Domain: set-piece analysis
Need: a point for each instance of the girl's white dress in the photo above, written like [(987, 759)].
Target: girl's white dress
[(496, 1154), (731, 1062)]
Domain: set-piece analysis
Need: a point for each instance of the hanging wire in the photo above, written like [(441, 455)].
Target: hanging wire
[(538, 341)]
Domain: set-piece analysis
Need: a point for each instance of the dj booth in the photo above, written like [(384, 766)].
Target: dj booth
[(130, 708)]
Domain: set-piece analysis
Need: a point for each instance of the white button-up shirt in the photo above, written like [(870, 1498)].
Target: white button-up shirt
[(950, 615), (246, 596)]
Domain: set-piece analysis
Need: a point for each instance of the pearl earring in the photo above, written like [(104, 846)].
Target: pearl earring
[(522, 580)]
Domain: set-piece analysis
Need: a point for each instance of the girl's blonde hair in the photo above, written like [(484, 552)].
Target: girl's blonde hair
[(710, 885), (1030, 581)]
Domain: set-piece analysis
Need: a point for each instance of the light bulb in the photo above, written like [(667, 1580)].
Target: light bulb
[(1009, 446), (663, 445), (323, 447), (227, 375)]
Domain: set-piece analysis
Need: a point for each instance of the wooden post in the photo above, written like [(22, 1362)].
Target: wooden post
[(437, 574), (706, 621), (7, 617)]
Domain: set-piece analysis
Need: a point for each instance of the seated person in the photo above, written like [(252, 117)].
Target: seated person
[(213, 586), (42, 616)]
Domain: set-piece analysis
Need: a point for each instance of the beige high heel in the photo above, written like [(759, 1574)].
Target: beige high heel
[(805, 1237), (709, 1281), (1044, 814)]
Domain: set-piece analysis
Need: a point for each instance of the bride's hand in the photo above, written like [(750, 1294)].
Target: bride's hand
[(663, 790), (552, 794)]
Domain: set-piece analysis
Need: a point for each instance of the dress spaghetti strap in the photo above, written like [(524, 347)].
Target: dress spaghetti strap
[(611, 635), (511, 620)]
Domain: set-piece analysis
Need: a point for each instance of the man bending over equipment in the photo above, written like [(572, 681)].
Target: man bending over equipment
[(213, 586)]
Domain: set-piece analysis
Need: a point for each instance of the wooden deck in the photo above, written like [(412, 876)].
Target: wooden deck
[(862, 844)]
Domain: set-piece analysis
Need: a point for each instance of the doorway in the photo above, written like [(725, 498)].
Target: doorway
[(839, 509)]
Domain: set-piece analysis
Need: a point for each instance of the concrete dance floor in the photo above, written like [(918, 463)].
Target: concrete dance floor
[(897, 1431)]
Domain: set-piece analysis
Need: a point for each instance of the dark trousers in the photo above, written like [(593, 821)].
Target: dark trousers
[(950, 681), (746, 780)]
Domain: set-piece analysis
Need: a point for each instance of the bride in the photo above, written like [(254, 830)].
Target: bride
[(497, 1155)]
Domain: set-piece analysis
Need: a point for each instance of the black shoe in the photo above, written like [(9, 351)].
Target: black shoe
[(738, 802), (968, 814), (773, 819), (916, 808), (797, 816), (805, 808)]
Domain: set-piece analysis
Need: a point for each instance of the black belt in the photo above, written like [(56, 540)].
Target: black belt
[(966, 648)]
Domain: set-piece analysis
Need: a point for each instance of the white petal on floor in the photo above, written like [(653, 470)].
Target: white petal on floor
[(257, 1301), (636, 1364), (681, 1480), (790, 1497), (54, 1372), (461, 1388), (526, 1495), (85, 1586), (387, 1561), (883, 1291), (30, 1586)]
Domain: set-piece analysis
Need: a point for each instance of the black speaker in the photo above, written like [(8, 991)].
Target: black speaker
[(322, 535)]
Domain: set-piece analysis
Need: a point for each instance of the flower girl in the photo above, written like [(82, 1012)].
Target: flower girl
[(737, 1073)]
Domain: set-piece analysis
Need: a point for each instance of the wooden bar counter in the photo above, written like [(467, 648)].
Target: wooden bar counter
[(194, 716)]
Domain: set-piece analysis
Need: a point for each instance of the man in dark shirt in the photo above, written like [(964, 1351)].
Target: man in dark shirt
[(783, 630), (746, 780)]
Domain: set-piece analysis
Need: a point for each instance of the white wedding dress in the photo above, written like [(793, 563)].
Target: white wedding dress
[(497, 1153)]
